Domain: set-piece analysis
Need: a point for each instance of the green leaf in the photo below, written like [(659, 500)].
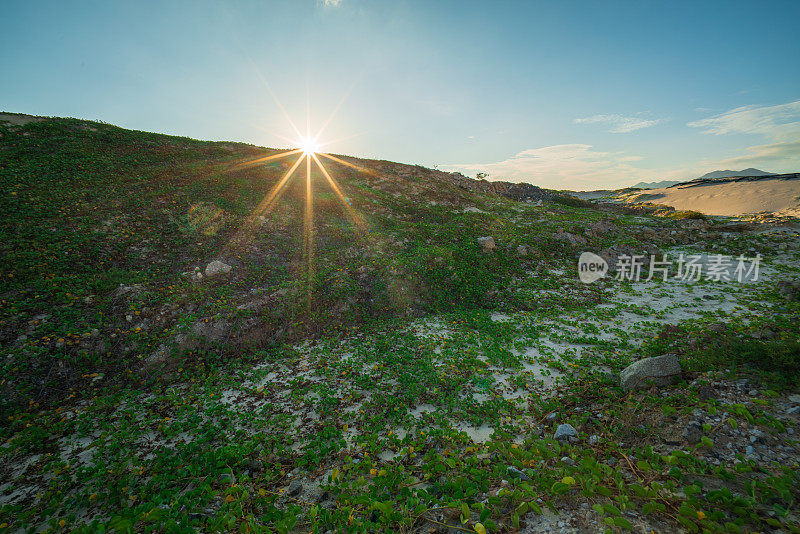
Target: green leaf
[(611, 510), (464, 512), (622, 522)]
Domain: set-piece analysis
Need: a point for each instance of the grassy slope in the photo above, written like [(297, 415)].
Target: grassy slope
[(90, 207)]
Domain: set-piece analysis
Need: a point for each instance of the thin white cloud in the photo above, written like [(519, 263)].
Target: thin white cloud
[(619, 123), (775, 156), (780, 123), (574, 166), (331, 3)]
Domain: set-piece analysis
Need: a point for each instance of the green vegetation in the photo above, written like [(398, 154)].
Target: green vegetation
[(419, 389)]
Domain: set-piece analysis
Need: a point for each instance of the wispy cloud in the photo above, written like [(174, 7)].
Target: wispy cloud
[(620, 123), (331, 3), (775, 156), (781, 122), (574, 166)]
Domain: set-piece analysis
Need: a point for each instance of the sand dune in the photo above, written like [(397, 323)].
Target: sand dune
[(778, 196)]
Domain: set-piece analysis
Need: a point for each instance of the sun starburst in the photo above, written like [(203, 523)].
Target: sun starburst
[(307, 151)]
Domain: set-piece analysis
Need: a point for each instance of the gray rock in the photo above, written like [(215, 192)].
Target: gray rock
[(487, 243), (295, 487), (793, 410), (516, 473), (693, 432), (565, 431), (567, 460), (552, 417), (217, 267), (594, 440), (661, 370)]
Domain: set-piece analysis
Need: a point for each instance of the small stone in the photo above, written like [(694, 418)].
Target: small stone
[(567, 460), (594, 439), (295, 487), (552, 417), (565, 431), (753, 392), (693, 432), (750, 451), (793, 410)]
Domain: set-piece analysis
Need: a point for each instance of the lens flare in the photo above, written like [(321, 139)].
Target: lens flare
[(309, 145), (308, 149)]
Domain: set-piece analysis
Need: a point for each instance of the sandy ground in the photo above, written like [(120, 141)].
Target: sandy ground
[(781, 197)]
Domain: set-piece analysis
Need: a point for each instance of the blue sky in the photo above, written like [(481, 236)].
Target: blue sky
[(579, 95)]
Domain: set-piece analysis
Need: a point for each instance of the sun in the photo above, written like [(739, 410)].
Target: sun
[(309, 145)]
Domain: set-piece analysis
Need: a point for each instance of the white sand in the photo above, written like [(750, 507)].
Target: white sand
[(731, 198)]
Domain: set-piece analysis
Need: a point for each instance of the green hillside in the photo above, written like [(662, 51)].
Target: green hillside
[(403, 377)]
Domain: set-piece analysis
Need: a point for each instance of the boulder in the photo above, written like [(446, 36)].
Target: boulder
[(661, 370), (487, 243), (217, 267)]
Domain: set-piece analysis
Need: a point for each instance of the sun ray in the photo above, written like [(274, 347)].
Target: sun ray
[(275, 98), (339, 105), (283, 137), (339, 139), (348, 164), (354, 217), (266, 204), (309, 233), (258, 161)]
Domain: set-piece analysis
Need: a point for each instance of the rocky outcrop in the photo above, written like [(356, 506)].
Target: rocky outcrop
[(660, 370), (516, 191)]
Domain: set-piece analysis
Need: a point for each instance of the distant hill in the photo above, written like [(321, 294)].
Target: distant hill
[(735, 174), (656, 185), (711, 175)]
